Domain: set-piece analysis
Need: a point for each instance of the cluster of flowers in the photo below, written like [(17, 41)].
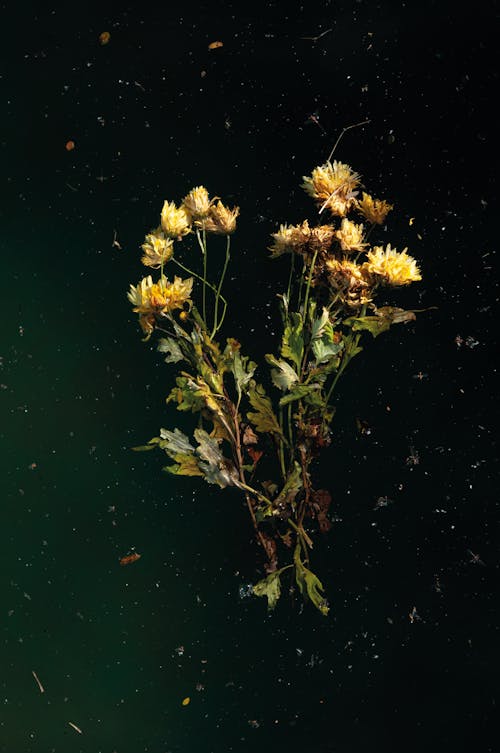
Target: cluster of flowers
[(197, 213), (344, 263)]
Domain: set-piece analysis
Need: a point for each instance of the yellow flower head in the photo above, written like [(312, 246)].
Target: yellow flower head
[(349, 282), (301, 239), (197, 204), (289, 239), (375, 210), (158, 299), (158, 249), (221, 219), (333, 185), (175, 221), (350, 236), (393, 267)]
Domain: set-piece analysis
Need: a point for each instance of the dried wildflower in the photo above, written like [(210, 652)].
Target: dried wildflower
[(158, 249), (155, 299), (375, 210), (333, 185), (302, 239), (289, 239), (197, 204), (175, 222), (350, 283), (221, 219), (393, 267), (350, 236)]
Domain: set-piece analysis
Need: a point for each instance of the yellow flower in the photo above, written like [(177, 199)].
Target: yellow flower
[(333, 185), (349, 282), (175, 221), (197, 204), (394, 267), (350, 236), (221, 219), (158, 249), (151, 300), (375, 210)]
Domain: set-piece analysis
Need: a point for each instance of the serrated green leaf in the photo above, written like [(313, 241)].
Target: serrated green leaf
[(175, 442), (185, 465), (169, 346), (241, 367), (325, 348), (309, 584), (263, 416), (292, 344), (381, 322), (216, 468), (185, 397), (269, 587)]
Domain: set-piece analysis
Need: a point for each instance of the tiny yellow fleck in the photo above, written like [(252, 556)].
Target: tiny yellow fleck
[(412, 220), (186, 701)]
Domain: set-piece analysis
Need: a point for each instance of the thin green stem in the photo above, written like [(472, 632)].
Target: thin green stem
[(281, 447), (290, 278), (198, 277), (299, 295), (311, 270), (219, 287), (203, 246)]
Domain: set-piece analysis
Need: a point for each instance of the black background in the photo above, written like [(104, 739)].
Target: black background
[(152, 114)]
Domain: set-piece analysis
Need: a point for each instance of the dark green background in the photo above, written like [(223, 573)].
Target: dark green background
[(79, 388)]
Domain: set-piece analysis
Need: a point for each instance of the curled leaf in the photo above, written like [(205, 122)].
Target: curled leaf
[(283, 375)]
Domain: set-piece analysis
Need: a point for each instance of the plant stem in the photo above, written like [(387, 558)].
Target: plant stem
[(311, 270), (219, 287), (198, 277), (203, 245)]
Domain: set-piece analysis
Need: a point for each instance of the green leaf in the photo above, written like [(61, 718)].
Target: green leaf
[(186, 465), (263, 417), (175, 442), (384, 317), (151, 445), (187, 398), (292, 485), (292, 345), (300, 391), (169, 346), (216, 468), (283, 375), (241, 367), (325, 348), (269, 587), (319, 324), (309, 584), (324, 344)]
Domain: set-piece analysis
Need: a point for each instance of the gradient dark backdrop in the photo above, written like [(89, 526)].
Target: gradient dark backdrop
[(152, 114)]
